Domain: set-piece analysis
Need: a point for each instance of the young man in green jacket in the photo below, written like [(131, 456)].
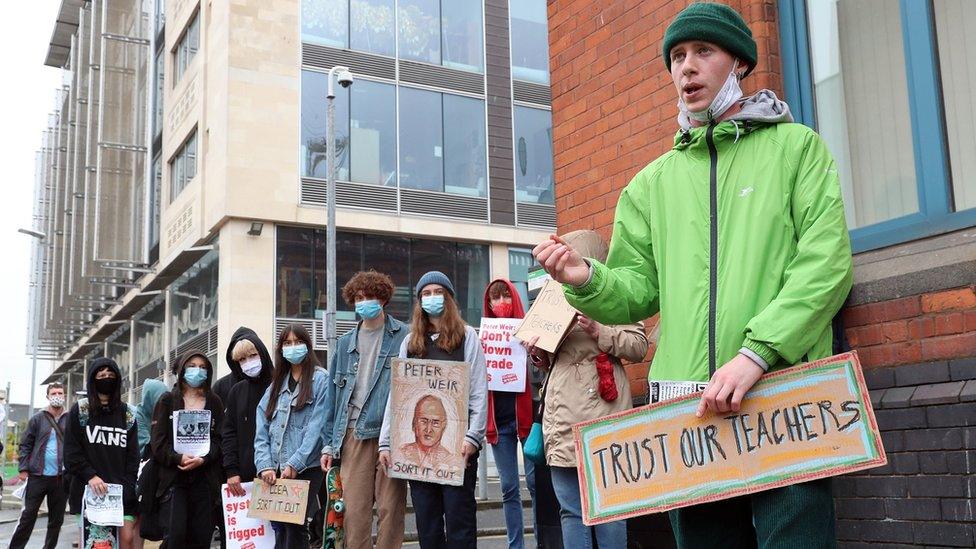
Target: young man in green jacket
[(737, 237)]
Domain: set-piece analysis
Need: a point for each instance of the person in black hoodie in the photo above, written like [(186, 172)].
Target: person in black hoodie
[(102, 447), (189, 486), (248, 356)]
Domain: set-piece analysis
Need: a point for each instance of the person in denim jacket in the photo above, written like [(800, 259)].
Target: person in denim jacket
[(288, 440), (355, 400)]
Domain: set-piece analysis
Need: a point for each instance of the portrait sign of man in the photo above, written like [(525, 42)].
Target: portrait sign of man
[(429, 423)]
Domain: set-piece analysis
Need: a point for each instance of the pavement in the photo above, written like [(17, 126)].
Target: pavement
[(491, 522)]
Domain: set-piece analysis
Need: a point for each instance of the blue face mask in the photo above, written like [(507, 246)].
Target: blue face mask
[(433, 304), (195, 376), (294, 353), (369, 308)]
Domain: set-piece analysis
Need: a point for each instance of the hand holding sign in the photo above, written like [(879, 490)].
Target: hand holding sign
[(550, 318), (729, 385)]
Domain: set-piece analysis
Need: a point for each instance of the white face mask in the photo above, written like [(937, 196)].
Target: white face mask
[(725, 98), (251, 366), (56, 401)]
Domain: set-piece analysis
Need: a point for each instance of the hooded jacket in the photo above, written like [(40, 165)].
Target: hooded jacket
[(523, 400), (572, 392), (737, 237), (167, 459), (152, 390), (237, 434), (102, 441)]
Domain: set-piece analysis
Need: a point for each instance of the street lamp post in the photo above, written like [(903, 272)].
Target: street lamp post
[(345, 80), (35, 321)]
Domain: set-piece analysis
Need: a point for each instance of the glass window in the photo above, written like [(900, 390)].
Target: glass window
[(533, 155), (183, 166), (187, 47), (193, 300), (419, 30), (470, 280), (301, 291), (372, 131), (957, 60), (295, 273), (519, 263), (389, 254), (155, 196), (421, 143), (314, 112), (157, 123), (463, 37), (372, 25), (326, 22), (857, 54), (530, 40), (465, 169)]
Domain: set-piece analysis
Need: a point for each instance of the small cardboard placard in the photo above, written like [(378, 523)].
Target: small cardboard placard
[(242, 531), (191, 432), (430, 418), (550, 318), (798, 424), (504, 354), (284, 501)]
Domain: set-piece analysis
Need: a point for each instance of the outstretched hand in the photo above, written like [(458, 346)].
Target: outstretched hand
[(564, 264)]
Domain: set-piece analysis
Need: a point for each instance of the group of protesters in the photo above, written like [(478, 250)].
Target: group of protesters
[(280, 415)]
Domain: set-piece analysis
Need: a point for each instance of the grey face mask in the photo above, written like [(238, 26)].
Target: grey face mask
[(725, 98)]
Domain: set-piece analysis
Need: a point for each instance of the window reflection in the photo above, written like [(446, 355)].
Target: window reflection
[(533, 155)]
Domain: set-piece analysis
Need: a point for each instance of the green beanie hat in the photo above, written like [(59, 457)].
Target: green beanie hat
[(715, 23)]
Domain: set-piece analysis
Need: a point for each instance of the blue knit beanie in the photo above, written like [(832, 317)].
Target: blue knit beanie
[(434, 277)]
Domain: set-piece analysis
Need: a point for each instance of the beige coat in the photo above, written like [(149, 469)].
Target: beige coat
[(572, 393)]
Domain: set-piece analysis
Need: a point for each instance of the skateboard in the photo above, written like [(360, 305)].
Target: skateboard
[(334, 537)]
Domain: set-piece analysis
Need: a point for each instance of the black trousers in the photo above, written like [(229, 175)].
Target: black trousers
[(38, 488), (296, 536), (440, 509), (190, 522)]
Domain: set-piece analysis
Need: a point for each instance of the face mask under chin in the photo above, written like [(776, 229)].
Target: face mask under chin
[(730, 93)]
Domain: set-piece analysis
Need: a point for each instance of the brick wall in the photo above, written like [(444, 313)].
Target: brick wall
[(926, 495), (919, 328)]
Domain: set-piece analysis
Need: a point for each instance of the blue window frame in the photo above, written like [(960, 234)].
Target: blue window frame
[(936, 212)]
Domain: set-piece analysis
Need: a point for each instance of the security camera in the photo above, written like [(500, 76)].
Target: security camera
[(345, 78)]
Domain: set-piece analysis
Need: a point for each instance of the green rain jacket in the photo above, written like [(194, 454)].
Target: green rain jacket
[(737, 237)]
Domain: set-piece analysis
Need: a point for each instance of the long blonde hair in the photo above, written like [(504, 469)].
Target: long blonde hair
[(452, 328)]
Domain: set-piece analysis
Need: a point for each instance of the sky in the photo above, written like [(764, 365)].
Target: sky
[(27, 99)]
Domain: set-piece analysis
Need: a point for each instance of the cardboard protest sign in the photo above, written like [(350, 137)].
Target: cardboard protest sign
[(242, 531), (550, 318), (104, 510), (429, 400), (799, 424), (191, 432), (284, 501), (504, 354)]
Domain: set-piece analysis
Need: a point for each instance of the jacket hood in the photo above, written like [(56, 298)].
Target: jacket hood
[(115, 399), (180, 367), (763, 107), (267, 364), (518, 310), (588, 243), (152, 389)]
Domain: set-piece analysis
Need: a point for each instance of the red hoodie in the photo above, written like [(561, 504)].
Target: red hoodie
[(523, 401)]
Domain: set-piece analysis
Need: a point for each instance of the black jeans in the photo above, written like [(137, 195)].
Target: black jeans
[(39, 487), (189, 524), (437, 506), (296, 536)]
